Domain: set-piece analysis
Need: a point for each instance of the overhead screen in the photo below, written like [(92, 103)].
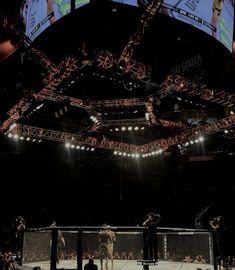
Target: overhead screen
[(37, 15), (215, 17)]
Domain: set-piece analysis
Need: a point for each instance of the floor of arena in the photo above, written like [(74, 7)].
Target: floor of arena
[(124, 265)]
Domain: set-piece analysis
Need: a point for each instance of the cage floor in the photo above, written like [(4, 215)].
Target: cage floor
[(124, 265)]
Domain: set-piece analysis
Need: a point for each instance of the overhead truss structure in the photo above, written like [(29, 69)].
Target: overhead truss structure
[(105, 143), (172, 84), (18, 110), (128, 51), (124, 65)]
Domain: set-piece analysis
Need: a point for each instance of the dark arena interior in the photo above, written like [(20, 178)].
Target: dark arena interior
[(112, 112)]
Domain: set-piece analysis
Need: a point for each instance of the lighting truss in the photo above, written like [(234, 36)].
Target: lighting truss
[(105, 143), (136, 70), (172, 84), (176, 83), (47, 134), (216, 96), (44, 61), (182, 137), (18, 110), (123, 65), (155, 120), (53, 79), (89, 106), (124, 102), (127, 53)]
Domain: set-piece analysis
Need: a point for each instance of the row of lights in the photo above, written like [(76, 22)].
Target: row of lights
[(34, 110), (117, 153), (129, 128), (119, 112), (137, 155), (200, 139), (79, 147), (17, 137)]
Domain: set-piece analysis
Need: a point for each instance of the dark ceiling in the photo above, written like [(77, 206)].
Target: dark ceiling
[(45, 180)]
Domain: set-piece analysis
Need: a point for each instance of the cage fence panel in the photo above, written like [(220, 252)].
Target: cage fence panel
[(176, 249), (36, 247), (189, 247), (127, 248)]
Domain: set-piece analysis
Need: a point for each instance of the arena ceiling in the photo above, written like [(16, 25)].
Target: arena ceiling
[(99, 28)]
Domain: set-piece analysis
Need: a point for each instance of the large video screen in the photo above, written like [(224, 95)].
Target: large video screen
[(215, 17), (79, 3), (37, 15)]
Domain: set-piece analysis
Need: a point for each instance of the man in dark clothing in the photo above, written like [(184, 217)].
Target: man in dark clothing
[(219, 227), (150, 237), (90, 265), (18, 228)]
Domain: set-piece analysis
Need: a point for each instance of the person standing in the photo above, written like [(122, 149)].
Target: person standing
[(60, 242), (19, 228), (150, 237), (219, 227), (106, 239)]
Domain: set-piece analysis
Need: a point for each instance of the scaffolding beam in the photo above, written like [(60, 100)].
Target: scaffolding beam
[(161, 144)]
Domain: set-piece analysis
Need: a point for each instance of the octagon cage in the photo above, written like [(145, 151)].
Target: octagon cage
[(177, 248)]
